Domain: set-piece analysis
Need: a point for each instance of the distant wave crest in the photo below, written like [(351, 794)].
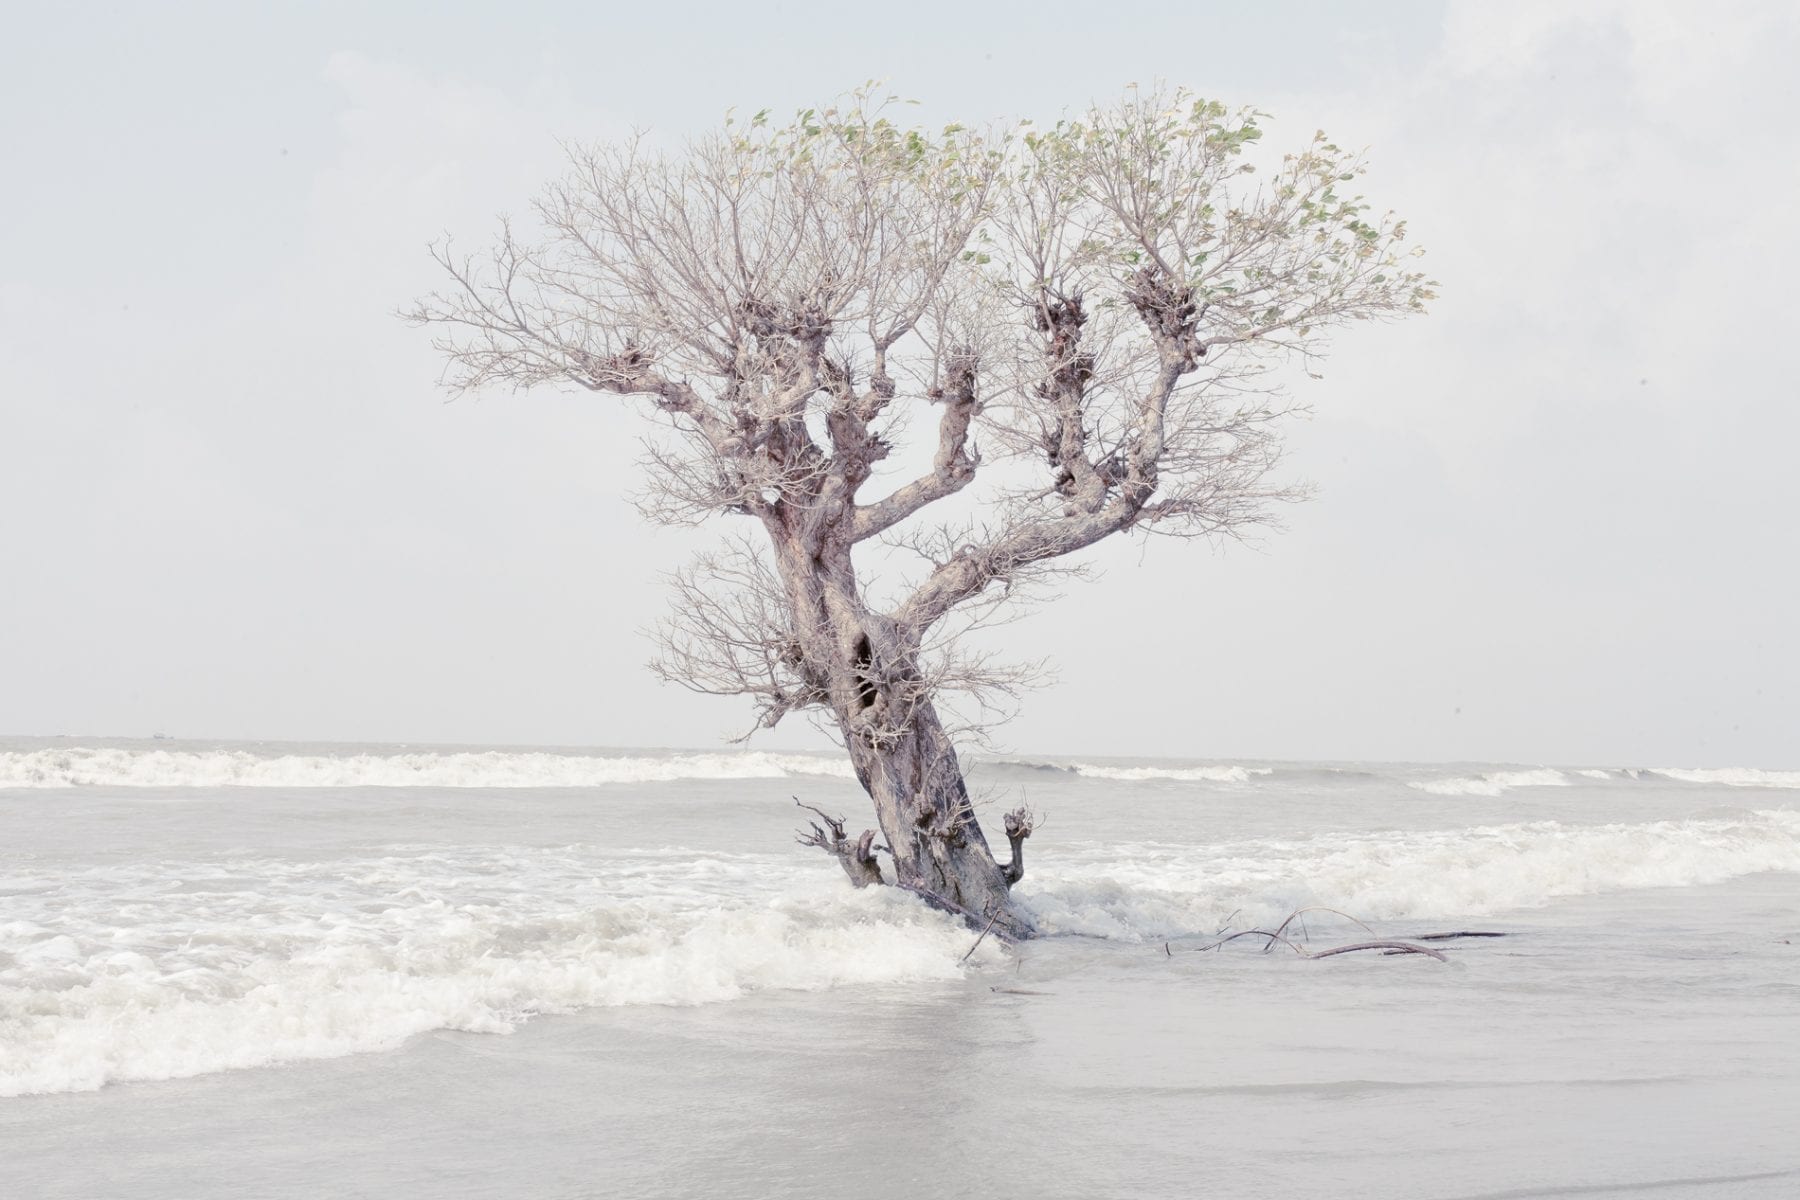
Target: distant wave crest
[(1223, 774), (1220, 773), (1732, 776), (1492, 783), (109, 767)]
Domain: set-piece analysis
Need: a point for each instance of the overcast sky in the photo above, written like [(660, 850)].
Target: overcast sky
[(1554, 521)]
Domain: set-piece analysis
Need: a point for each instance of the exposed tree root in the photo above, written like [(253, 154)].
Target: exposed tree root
[(856, 857)]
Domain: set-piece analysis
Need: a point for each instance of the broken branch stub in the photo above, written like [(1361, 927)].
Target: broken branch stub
[(856, 857), (1019, 824)]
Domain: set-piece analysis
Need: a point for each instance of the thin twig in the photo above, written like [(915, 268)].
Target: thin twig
[(1282, 928), (978, 941), (1263, 933)]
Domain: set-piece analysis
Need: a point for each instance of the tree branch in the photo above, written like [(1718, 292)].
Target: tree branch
[(953, 467), (856, 857)]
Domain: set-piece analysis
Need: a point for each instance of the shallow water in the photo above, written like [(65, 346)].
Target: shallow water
[(231, 971)]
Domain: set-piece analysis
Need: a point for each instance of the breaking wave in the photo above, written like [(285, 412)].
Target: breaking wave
[(1177, 774), (1164, 890), (1732, 776), (1492, 783), (168, 969), (1200, 774), (253, 962), (106, 767)]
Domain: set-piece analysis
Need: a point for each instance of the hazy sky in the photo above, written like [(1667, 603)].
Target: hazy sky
[(1555, 519)]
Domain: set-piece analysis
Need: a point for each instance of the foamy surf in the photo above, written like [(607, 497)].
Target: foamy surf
[(1218, 774), (1732, 776), (1205, 773), (1492, 783), (173, 968), (110, 767), (1163, 890), (222, 966)]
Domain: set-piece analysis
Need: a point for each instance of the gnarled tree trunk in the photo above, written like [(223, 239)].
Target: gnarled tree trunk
[(865, 668), (922, 803)]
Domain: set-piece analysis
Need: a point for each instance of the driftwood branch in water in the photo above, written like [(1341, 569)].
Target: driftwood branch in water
[(1394, 947), (1298, 912), (1273, 938), (1261, 933), (1387, 945)]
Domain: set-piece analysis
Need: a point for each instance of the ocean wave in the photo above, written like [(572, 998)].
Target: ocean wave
[(168, 969), (1165, 890), (110, 767), (245, 964), (1219, 774), (1732, 776), (1024, 764), (1203, 774), (1491, 784)]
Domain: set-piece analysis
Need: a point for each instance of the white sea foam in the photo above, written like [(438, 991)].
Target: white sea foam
[(111, 767), (1220, 774), (170, 968), (1492, 783), (178, 969), (1732, 776), (1594, 774), (1160, 889)]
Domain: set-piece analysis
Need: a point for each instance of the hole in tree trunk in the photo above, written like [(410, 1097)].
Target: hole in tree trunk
[(865, 675)]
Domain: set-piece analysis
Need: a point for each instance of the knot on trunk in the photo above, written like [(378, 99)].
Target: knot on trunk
[(1019, 824), (1169, 310), (1061, 317), (958, 386), (805, 323), (856, 857), (942, 825)]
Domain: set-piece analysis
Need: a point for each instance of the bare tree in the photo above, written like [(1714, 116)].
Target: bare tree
[(1093, 310)]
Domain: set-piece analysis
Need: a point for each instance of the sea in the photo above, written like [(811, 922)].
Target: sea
[(264, 970)]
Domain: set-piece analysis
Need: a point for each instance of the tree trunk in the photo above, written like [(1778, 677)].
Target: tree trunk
[(868, 674), (922, 803)]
